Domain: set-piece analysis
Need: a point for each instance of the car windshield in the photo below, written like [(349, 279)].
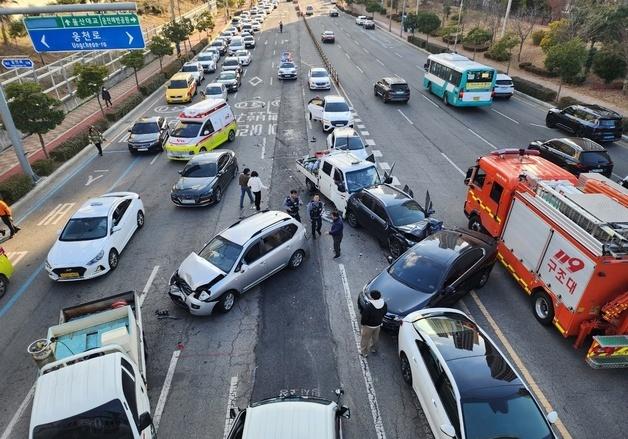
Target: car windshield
[(591, 158), (503, 412), (231, 62), (108, 421), (145, 128), (351, 143), (286, 65), (199, 170), (189, 68), (336, 107), (221, 253), (241, 53), (227, 75), (178, 84), (205, 57), (408, 212), (217, 43), (399, 87), (186, 129), (84, 229), (213, 90), (608, 123), (503, 82), (319, 74), (417, 271), (357, 180)]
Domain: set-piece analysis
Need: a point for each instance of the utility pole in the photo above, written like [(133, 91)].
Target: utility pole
[(458, 25), (403, 19), (505, 19), (390, 16), (16, 140)]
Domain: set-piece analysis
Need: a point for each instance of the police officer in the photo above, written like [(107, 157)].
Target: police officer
[(292, 204), (315, 209)]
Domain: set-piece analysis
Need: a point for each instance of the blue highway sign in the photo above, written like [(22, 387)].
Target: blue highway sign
[(17, 63)]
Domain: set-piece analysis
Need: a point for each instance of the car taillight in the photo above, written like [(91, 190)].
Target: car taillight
[(460, 94), (493, 93), (2, 252)]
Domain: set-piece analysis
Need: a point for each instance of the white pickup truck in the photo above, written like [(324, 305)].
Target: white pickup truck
[(339, 174), (92, 377)]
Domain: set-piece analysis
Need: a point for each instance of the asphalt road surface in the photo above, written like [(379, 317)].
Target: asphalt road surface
[(296, 332)]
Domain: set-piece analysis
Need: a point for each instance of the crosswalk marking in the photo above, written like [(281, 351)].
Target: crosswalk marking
[(365, 133), (377, 153), (56, 214), (369, 142), (384, 165), (16, 257)]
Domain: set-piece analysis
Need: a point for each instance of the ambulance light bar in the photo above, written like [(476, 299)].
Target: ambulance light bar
[(202, 109)]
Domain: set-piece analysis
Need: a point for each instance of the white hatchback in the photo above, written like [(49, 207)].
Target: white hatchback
[(318, 79), (216, 90), (347, 139), (91, 242), (333, 111), (244, 57)]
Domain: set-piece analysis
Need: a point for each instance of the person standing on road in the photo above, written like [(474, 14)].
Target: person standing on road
[(5, 215), (372, 315), (281, 27), (292, 204), (243, 180), (315, 209), (106, 96), (96, 138), (256, 186), (336, 232)]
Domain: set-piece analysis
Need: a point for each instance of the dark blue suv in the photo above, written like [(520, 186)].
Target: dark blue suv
[(590, 121)]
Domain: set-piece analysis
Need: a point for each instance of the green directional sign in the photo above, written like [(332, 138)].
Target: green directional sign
[(81, 21)]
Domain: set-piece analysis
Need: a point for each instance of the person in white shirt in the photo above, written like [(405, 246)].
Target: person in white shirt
[(256, 186)]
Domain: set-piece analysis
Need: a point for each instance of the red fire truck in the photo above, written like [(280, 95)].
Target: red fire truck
[(564, 239)]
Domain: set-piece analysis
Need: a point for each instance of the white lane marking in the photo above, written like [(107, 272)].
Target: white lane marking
[(395, 181), (275, 42), (309, 123), (452, 163), (369, 142), (91, 179), (365, 133), (16, 257), (149, 283), (265, 42), (152, 162), (347, 55), (482, 139), (163, 396), (420, 68), (272, 64), (384, 165), (507, 117), (56, 214), (271, 80), (244, 74), (274, 51), (366, 50), (526, 374), (377, 153), (430, 101), (361, 71), (357, 43), (364, 366), (405, 117), (263, 147), (357, 119), (397, 53), (233, 393), (377, 59), (18, 414), (339, 46), (360, 126), (539, 125)]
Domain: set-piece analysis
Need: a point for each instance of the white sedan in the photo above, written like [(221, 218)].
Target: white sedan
[(256, 26), (318, 79), (244, 57), (91, 242), (360, 20)]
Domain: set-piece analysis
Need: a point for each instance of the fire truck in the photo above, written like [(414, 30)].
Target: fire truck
[(565, 241)]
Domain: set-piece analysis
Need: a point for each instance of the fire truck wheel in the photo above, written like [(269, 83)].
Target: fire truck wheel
[(475, 223), (543, 307)]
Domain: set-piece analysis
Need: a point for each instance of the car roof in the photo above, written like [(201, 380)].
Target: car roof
[(99, 206), (395, 80), (209, 157), (328, 32), (334, 98), (148, 119), (181, 75), (503, 76), (580, 143), (345, 132), (191, 63), (388, 194), (242, 231), (599, 111), (215, 84), (446, 245)]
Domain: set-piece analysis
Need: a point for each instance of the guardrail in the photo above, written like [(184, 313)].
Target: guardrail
[(330, 68)]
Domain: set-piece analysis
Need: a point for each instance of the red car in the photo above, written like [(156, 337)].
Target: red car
[(328, 37)]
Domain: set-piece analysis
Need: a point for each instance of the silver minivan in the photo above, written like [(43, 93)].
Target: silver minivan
[(236, 260)]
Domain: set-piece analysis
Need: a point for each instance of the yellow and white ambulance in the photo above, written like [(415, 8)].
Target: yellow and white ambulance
[(200, 128)]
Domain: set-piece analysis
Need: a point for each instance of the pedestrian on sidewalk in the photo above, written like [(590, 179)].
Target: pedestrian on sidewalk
[(96, 138), (372, 316), (7, 218), (292, 203), (106, 96), (315, 209), (336, 232), (256, 186), (243, 180)]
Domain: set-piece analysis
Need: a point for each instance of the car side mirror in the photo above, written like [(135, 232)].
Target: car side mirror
[(115, 229), (145, 421), (233, 413), (342, 188), (205, 133), (390, 259), (180, 172), (552, 417), (448, 430), (345, 412), (129, 130), (242, 268)]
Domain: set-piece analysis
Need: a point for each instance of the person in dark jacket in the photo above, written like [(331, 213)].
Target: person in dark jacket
[(336, 232), (106, 96), (315, 209), (292, 204), (243, 181), (370, 322)]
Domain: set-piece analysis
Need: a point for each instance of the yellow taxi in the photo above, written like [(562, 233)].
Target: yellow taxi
[(181, 88), (6, 271)]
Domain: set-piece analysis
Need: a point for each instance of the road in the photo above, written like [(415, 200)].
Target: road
[(280, 339)]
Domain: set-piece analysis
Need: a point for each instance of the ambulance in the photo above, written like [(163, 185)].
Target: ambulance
[(564, 240), (200, 128)]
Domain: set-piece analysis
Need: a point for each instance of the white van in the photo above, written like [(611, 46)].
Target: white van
[(200, 128)]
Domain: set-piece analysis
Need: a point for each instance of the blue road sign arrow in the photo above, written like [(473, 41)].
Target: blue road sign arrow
[(17, 63), (87, 38)]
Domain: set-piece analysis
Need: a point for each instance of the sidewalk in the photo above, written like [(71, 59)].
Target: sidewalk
[(80, 118), (567, 90)]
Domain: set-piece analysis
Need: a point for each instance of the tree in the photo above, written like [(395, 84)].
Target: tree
[(523, 24), (4, 21), (178, 31), (427, 22), (373, 6), (567, 59), (559, 32), (135, 60), (33, 111), (446, 10), (17, 29), (477, 37), (409, 23), (609, 64), (205, 23), (89, 81), (160, 47)]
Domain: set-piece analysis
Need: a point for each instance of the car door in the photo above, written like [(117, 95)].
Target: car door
[(373, 217), (207, 133), (550, 151), (120, 236), (278, 247), (223, 171), (315, 107), (565, 156), (462, 276), (252, 266), (331, 140), (163, 130)]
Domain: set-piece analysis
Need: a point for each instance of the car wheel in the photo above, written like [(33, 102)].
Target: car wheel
[(114, 259), (352, 219), (475, 223), (375, 92), (231, 136), (4, 283), (140, 219), (218, 195), (445, 99), (132, 151), (227, 301), (202, 150), (394, 247), (484, 277), (296, 259), (549, 122), (310, 115), (310, 186), (543, 307), (406, 370), (580, 132)]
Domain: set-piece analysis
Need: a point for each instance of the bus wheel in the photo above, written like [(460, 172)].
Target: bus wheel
[(543, 307), (231, 136), (445, 100)]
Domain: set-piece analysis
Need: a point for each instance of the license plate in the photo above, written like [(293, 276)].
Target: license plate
[(597, 170), (188, 201), (71, 275), (142, 149), (476, 98)]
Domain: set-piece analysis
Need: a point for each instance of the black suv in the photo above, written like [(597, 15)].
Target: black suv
[(392, 89), (392, 216), (591, 121), (577, 155), (148, 134)]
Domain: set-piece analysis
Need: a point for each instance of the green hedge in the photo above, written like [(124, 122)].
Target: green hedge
[(497, 56), (567, 101), (533, 89), (125, 107), (152, 84), (15, 187), (44, 167), (529, 67), (537, 36), (420, 42), (472, 47)]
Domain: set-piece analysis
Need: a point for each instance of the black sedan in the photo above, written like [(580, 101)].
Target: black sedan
[(435, 272), (577, 155), (590, 121), (205, 178), (392, 216), (231, 79), (148, 134)]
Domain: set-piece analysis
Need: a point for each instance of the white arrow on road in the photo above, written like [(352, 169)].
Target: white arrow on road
[(43, 41), (130, 37)]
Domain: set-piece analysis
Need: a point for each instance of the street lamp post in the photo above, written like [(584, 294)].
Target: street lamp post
[(403, 21), (458, 25), (505, 19)]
